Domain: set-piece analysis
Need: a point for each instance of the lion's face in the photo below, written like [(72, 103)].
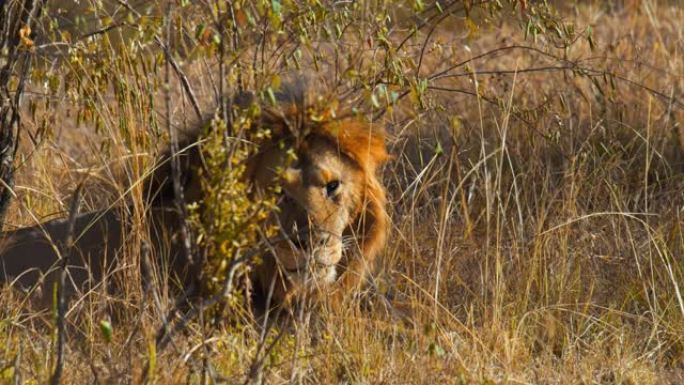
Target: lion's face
[(322, 193), (331, 214)]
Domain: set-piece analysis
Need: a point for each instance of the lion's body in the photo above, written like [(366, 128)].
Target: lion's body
[(30, 258), (332, 192)]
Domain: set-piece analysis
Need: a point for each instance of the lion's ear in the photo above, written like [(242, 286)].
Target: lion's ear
[(379, 151), (360, 142), (376, 150)]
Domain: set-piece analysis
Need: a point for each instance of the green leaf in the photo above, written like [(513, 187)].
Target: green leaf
[(276, 7), (106, 330), (436, 350), (394, 96), (438, 149), (374, 101), (271, 96), (199, 30), (590, 38)]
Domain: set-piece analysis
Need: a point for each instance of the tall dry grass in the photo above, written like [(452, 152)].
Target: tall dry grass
[(536, 205)]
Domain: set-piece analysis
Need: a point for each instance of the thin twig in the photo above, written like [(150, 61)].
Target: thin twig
[(103, 30), (427, 21), (164, 337), (17, 368), (63, 272), (176, 170), (166, 333), (427, 39), (181, 75), (257, 367)]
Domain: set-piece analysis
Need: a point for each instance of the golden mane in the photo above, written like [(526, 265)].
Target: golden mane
[(366, 147), (291, 121)]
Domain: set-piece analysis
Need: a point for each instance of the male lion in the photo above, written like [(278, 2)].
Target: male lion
[(332, 213)]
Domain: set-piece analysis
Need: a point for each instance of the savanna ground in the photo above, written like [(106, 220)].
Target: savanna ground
[(536, 187)]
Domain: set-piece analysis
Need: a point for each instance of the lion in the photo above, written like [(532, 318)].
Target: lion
[(331, 216)]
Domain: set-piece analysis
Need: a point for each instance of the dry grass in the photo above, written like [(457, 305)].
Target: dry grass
[(536, 228)]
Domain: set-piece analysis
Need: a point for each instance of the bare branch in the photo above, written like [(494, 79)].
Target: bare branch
[(181, 75), (63, 272), (16, 18)]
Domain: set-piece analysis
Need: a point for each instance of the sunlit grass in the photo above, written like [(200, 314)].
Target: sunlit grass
[(536, 222)]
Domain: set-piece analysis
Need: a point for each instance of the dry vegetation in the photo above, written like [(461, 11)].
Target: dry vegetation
[(536, 188)]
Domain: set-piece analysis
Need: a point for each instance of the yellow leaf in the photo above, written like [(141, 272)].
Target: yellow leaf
[(24, 36)]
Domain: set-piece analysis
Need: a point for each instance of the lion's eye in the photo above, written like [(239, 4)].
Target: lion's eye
[(331, 187)]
